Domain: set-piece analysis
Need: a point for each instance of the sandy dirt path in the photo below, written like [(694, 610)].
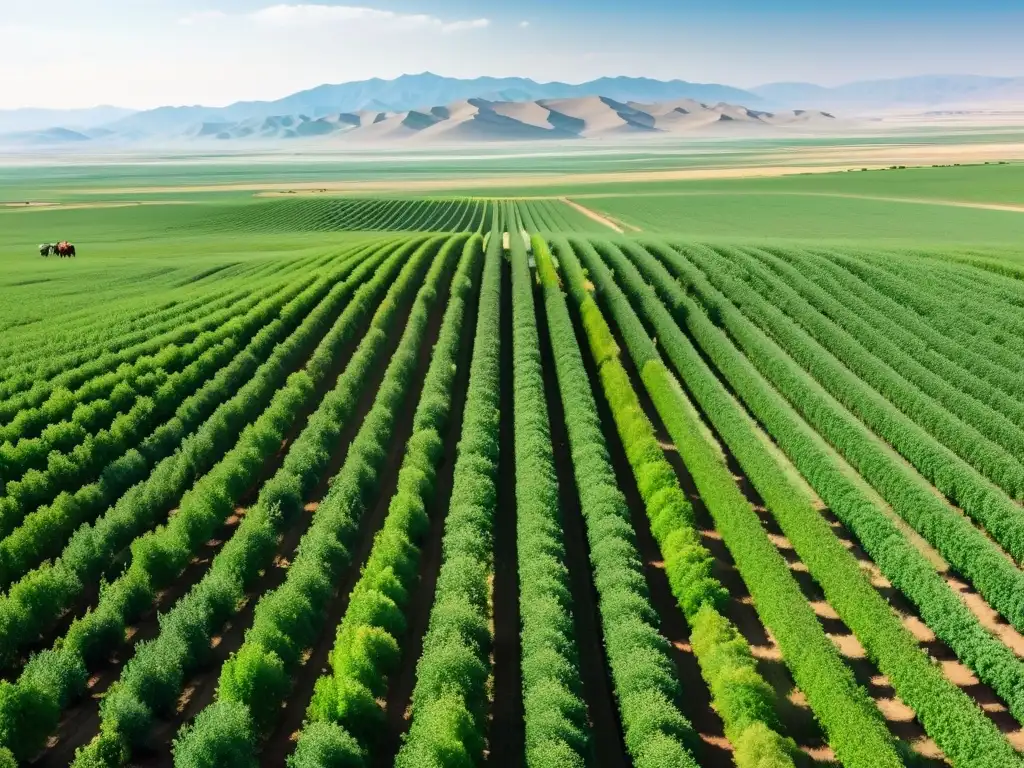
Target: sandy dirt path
[(593, 215)]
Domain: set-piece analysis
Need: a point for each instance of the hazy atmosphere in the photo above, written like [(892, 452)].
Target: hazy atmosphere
[(66, 53)]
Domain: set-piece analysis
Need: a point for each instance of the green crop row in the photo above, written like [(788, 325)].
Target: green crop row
[(325, 214), (555, 718), (744, 700), (953, 429), (899, 560), (948, 714), (67, 436), (29, 708), (449, 703), (853, 724), (998, 328), (287, 620), (151, 682), (36, 601), (956, 324), (70, 482), (1000, 388), (92, 335), (988, 505), (933, 374), (963, 545), (51, 399), (367, 641)]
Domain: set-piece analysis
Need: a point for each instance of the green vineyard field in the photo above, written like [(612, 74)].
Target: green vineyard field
[(427, 482)]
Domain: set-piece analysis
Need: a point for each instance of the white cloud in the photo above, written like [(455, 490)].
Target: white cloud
[(318, 15), (459, 26), (524, 24), (200, 17)]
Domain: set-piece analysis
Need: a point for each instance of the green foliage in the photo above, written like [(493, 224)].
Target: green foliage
[(222, 736), (332, 214), (325, 745), (555, 716), (450, 698), (854, 727), (637, 654), (913, 424), (366, 648), (160, 555), (947, 713), (899, 560), (286, 620)]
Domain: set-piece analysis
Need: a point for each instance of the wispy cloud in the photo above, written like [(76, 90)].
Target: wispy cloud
[(524, 24), (317, 15), (200, 17)]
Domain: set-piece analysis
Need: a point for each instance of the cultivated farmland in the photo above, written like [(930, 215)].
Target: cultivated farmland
[(493, 481)]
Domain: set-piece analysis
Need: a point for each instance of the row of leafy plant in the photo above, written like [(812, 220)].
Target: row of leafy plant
[(30, 707), (150, 684), (255, 681), (555, 717), (94, 414), (68, 342), (942, 379), (742, 697), (966, 548), (344, 717), (851, 721), (936, 310), (899, 560), (449, 703), (98, 470), (981, 376), (408, 215), (54, 397), (956, 478), (36, 601), (956, 723)]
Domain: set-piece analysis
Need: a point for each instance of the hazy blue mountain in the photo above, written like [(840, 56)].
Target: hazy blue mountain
[(423, 90), (926, 90), (15, 120), (47, 137)]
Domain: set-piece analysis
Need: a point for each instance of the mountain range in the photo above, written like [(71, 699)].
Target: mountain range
[(477, 120), (330, 109)]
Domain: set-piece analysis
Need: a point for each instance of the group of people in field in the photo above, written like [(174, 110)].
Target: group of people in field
[(62, 249)]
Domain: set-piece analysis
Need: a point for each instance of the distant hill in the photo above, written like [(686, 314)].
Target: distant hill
[(17, 120), (906, 92), (421, 91), (47, 137), (484, 120), (411, 102)]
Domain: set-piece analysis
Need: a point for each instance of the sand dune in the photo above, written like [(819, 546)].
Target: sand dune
[(481, 120)]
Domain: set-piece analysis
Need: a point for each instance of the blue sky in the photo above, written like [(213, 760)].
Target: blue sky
[(144, 53)]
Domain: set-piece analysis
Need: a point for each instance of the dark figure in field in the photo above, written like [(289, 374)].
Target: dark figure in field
[(64, 248), (46, 249)]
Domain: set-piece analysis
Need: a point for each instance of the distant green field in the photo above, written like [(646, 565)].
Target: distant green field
[(751, 215)]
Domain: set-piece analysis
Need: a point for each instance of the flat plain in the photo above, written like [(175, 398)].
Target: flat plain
[(538, 459)]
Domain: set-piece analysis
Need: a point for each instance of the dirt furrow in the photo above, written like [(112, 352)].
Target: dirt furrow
[(506, 735)]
